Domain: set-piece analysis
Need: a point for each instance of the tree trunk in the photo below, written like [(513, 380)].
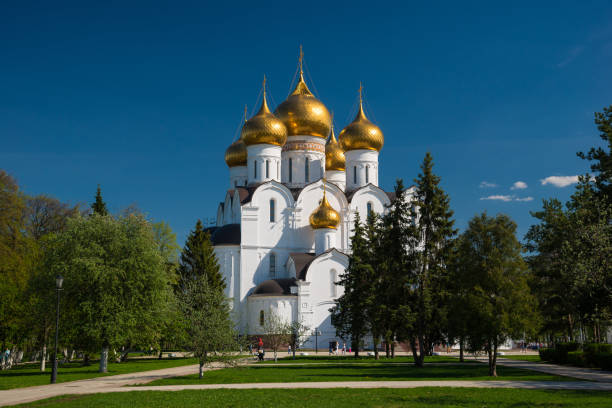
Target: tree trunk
[(43, 360), (376, 342), (461, 341), (393, 350), (86, 359), (201, 370), (493, 359), (421, 358), (159, 357), (356, 344), (104, 360), (387, 349)]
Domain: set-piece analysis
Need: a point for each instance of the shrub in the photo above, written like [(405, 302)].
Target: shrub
[(547, 354), (593, 351), (604, 360), (576, 358)]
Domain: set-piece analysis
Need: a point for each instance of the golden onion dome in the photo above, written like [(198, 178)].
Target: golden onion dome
[(236, 154), (334, 155), (264, 127), (302, 113), (361, 133), (324, 216)]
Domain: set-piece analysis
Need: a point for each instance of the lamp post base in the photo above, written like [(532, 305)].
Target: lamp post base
[(54, 371)]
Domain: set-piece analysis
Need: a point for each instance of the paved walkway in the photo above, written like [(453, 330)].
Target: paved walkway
[(117, 383)]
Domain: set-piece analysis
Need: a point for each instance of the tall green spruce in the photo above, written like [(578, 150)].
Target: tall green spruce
[(375, 299), (347, 315), (602, 159), (99, 206), (395, 273), (211, 335), (431, 248), (198, 259)]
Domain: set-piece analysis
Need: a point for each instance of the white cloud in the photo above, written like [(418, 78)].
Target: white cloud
[(486, 184), (519, 185), (497, 198), (560, 181), (507, 198)]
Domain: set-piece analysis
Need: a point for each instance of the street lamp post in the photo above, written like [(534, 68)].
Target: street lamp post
[(58, 286)]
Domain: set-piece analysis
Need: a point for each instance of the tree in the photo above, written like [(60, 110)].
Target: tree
[(15, 250), (277, 331), (431, 248), (375, 300), (395, 314), (99, 206), (298, 333), (210, 332), (198, 259), (347, 314), (602, 159), (493, 276), (116, 288)]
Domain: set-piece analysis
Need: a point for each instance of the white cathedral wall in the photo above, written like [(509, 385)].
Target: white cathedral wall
[(317, 295), (238, 176), (361, 168), (267, 159), (284, 307)]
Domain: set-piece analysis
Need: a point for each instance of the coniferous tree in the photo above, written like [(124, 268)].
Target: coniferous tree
[(432, 241), (376, 298), (198, 259), (99, 206), (396, 271), (347, 315), (602, 159)]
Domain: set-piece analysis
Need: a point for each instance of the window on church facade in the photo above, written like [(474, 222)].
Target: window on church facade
[(332, 282), (367, 174), (261, 318), (255, 169), (290, 170), (306, 170), (272, 264), (272, 210), (354, 174), (369, 208), (267, 168)]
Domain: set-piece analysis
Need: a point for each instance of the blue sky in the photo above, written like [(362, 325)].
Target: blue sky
[(144, 97)]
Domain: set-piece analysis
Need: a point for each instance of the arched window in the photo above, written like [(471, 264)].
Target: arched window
[(367, 174), (261, 318), (272, 210), (255, 169), (306, 170), (290, 170), (354, 174), (267, 168), (332, 282), (369, 208), (272, 264)]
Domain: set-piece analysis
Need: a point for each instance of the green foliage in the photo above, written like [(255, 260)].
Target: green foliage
[(210, 332), (99, 206), (198, 259), (576, 358), (602, 159), (116, 288), (493, 277)]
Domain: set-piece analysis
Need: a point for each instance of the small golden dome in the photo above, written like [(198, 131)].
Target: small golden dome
[(334, 155), (302, 113), (264, 127), (361, 133), (236, 154), (324, 216)]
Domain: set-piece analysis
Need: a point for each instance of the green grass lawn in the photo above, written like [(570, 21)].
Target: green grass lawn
[(353, 360), (534, 358), (360, 372), (27, 375), (340, 398)]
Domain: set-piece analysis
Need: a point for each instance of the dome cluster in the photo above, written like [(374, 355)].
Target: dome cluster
[(301, 114)]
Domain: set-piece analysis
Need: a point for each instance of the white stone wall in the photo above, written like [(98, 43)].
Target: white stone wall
[(238, 176), (267, 159), (361, 168), (284, 307), (295, 151)]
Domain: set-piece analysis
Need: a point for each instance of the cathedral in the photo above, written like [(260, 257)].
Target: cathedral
[(283, 231)]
